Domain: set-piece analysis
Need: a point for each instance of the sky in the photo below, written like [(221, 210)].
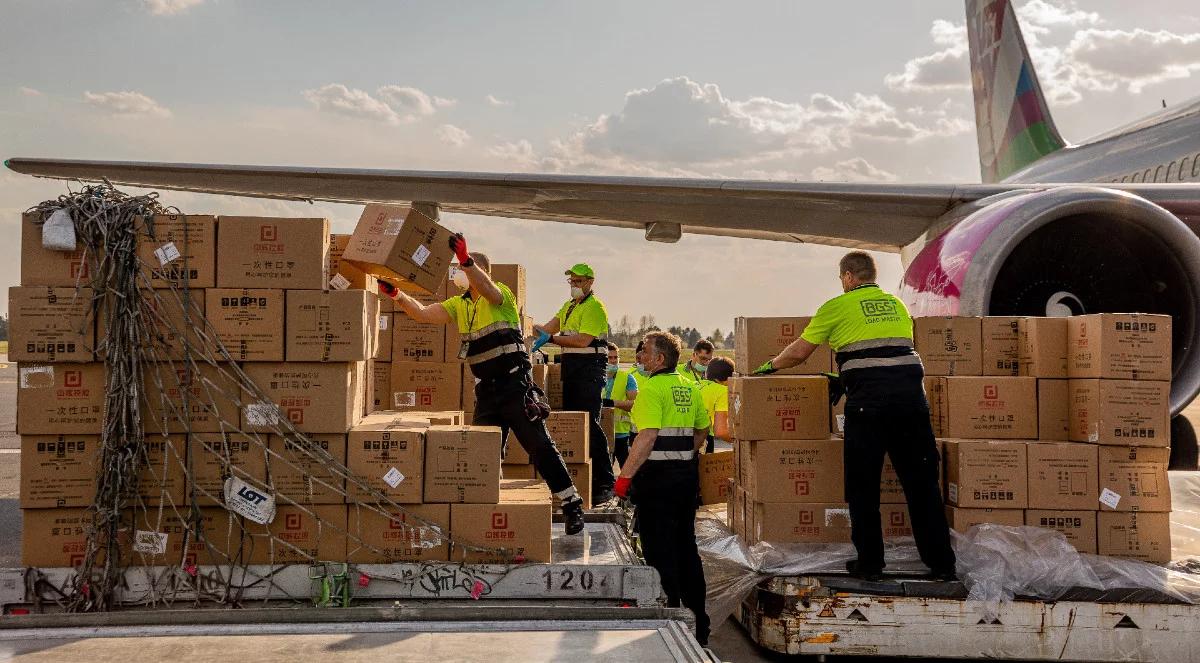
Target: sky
[(877, 90)]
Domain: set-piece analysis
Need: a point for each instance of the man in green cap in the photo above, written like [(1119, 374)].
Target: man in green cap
[(579, 329)]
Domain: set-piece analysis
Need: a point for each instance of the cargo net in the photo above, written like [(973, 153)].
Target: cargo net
[(164, 368)]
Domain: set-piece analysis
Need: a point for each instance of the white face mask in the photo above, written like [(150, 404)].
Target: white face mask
[(576, 292), (460, 279)]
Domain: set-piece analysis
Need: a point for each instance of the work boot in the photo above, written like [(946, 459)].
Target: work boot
[(573, 515), (944, 575), (603, 497), (873, 574)]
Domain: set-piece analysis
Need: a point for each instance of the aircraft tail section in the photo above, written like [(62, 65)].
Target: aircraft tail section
[(1012, 121)]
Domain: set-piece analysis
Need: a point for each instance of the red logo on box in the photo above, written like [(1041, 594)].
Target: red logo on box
[(801, 488), (426, 398), (268, 233), (79, 269), (499, 520), (788, 424), (72, 378), (291, 521), (990, 392), (295, 415), (76, 560), (787, 329), (897, 519), (397, 521), (806, 517)]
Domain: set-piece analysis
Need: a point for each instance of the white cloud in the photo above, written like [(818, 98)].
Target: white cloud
[(126, 104), (409, 103), (169, 7), (943, 70), (442, 102), (495, 101), (518, 155), (1039, 16), (338, 98), (1134, 58), (452, 135), (29, 92), (856, 169)]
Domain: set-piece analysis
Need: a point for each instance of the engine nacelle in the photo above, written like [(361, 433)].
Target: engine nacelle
[(1063, 251)]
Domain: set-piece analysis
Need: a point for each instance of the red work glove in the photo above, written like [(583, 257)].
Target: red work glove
[(621, 488), (386, 288), (458, 244)]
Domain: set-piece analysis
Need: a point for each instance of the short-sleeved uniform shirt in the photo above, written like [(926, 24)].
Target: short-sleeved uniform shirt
[(716, 399), (470, 315), (588, 317), (669, 401)]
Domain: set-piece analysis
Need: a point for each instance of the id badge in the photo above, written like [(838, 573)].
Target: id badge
[(462, 349)]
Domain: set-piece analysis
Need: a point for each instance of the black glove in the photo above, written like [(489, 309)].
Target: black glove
[(607, 402), (837, 388)]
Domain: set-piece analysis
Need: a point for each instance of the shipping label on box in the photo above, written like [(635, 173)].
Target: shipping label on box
[(181, 398), (340, 325), (315, 397), (991, 408), (419, 385), (391, 457), (265, 252), (760, 339), (1001, 354), (780, 522), (1134, 479), (716, 469), (779, 408), (407, 535), (304, 468), (66, 399), (247, 322), (1063, 476), (58, 470), (179, 249), (793, 470), (1123, 346), (962, 520), (1079, 527), (1042, 344), (462, 464), (500, 533), (1142, 536), (986, 474), (1054, 410), (51, 324), (300, 535), (47, 267), (402, 245), (949, 346), (1120, 412), (218, 456), (418, 341)]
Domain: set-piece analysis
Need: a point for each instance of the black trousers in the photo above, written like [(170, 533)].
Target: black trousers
[(501, 402), (621, 448), (905, 435), (583, 385), (664, 493)]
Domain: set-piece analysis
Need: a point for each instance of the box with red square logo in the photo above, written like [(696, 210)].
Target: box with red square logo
[(779, 407), (315, 397), (760, 339), (403, 535), (782, 522), (895, 521), (268, 252), (56, 399), (991, 408), (517, 527), (42, 266), (202, 398), (793, 470), (300, 535)]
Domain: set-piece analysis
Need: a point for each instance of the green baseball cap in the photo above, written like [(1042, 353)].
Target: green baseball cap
[(582, 269)]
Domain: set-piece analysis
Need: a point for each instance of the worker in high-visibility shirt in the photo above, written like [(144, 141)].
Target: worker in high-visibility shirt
[(620, 390), (702, 354), (640, 375), (886, 413), (662, 475), (578, 328), (505, 395), (714, 391)]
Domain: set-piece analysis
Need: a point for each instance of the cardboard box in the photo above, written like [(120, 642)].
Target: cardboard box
[(1054, 410), (301, 469), (340, 325), (935, 395), (375, 448), (571, 434), (300, 535), (581, 476), (608, 424), (986, 474), (179, 249), (779, 408), (383, 344), (780, 522), (58, 470), (421, 385), (381, 388), (162, 479), (716, 469), (315, 397), (962, 520), (419, 341), (468, 389), (46, 267), (739, 512), (524, 472), (515, 527), (462, 464), (247, 322), (51, 325), (991, 408), (1001, 353), (401, 536), (760, 339), (367, 387), (1062, 476), (514, 453), (342, 274), (217, 456), (1143, 536), (176, 323), (180, 397), (402, 245), (1121, 346), (215, 526), (1079, 527), (793, 470), (554, 387), (54, 399), (837, 418), (1042, 346), (949, 345), (427, 419), (895, 521), (1134, 479), (54, 538), (452, 344), (1121, 412), (266, 252), (512, 276)]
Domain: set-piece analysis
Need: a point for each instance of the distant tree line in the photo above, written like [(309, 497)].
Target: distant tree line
[(627, 332)]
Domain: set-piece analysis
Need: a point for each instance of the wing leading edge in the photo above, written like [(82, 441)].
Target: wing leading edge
[(882, 217)]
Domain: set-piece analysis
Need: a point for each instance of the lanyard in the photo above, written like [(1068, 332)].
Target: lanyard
[(473, 308), (571, 309)]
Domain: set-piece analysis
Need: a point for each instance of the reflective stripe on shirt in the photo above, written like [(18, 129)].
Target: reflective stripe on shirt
[(873, 343), (671, 455), (494, 352), (880, 362), (495, 326)]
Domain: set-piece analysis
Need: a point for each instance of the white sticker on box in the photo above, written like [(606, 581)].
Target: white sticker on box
[(339, 282), (166, 253), (1094, 437), (262, 414), (246, 500), (383, 322), (421, 255), (833, 515), (36, 377), (1109, 499), (952, 492), (393, 477), (841, 423), (404, 399), (393, 227), (149, 543)]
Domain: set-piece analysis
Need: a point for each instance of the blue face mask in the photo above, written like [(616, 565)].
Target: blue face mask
[(699, 369), (611, 368)]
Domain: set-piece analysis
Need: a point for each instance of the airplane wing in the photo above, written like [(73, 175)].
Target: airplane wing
[(881, 217)]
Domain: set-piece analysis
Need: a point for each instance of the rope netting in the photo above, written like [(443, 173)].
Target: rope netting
[(165, 366)]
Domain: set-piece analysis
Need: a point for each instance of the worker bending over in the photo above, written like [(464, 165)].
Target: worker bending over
[(702, 354), (714, 391), (662, 475), (620, 390), (577, 328), (505, 396), (886, 412)]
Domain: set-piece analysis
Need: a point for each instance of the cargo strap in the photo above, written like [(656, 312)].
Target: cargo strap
[(495, 326), (495, 352), (880, 362), (873, 343), (671, 455)]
